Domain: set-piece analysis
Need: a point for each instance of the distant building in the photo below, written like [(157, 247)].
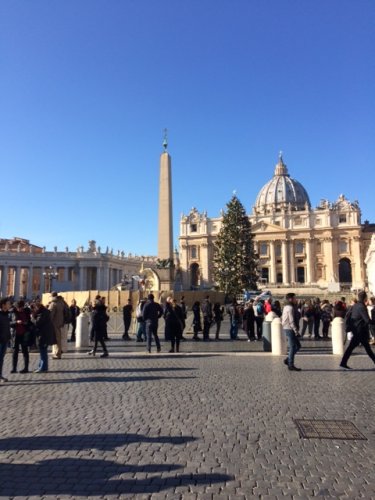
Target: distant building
[(28, 270), (297, 245)]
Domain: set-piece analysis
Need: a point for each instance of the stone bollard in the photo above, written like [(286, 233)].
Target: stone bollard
[(278, 338), (82, 330), (338, 336), (266, 336)]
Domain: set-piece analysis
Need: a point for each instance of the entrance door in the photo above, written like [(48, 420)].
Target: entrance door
[(345, 271)]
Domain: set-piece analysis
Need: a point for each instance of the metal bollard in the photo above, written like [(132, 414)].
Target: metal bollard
[(266, 336), (338, 336), (82, 331), (277, 338)]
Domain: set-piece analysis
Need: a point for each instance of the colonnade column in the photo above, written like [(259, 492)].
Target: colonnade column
[(17, 275), (284, 257), (81, 277), (30, 277), (4, 281), (272, 276)]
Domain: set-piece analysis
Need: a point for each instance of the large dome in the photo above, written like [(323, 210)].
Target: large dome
[(281, 192)]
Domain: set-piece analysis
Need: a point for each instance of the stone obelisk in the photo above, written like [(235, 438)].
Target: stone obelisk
[(165, 231)]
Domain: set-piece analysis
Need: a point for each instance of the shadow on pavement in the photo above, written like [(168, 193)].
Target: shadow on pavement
[(127, 370), (40, 379), (83, 477), (86, 441)]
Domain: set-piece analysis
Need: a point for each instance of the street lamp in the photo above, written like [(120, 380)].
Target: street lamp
[(50, 275)]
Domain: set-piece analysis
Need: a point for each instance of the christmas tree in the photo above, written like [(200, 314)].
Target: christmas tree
[(234, 263)]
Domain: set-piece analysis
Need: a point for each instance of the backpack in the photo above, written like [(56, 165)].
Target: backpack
[(260, 309), (67, 314)]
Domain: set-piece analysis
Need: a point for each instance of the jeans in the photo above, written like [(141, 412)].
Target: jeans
[(43, 362), (259, 322), (307, 324), (152, 330), (141, 333), (233, 329), (361, 338), (293, 345), (18, 341), (3, 350)]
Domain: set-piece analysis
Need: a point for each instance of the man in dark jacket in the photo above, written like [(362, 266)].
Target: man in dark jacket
[(4, 333), (357, 321), (152, 311), (127, 315)]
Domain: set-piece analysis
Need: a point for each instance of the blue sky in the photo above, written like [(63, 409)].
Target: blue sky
[(88, 86)]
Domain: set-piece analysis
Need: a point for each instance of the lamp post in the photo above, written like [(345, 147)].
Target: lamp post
[(50, 275)]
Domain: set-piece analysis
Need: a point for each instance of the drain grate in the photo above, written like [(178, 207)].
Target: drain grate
[(328, 429)]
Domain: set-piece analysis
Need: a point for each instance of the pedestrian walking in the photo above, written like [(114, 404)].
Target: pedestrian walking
[(248, 321), (74, 313), (100, 319), (127, 317), (21, 326), (173, 317), (218, 312), (4, 333), (141, 330), (197, 324), (45, 333), (152, 311), (357, 321), (56, 308), (207, 317), (290, 321)]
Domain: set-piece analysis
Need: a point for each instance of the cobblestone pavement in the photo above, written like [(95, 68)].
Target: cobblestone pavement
[(185, 426)]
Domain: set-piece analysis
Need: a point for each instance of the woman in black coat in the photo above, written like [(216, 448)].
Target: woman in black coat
[(99, 320), (174, 319), (197, 325), (4, 333), (45, 332)]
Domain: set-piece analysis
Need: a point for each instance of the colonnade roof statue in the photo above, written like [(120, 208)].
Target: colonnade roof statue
[(281, 192)]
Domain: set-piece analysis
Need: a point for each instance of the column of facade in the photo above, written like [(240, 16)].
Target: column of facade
[(4, 281), (328, 258), (309, 276), (203, 259), (272, 276), (284, 258), (292, 262), (356, 262)]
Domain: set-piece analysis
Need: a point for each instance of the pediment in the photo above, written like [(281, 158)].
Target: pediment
[(266, 227)]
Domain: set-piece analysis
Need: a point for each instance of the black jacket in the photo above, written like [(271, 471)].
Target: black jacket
[(4, 327), (152, 311), (44, 328), (357, 320)]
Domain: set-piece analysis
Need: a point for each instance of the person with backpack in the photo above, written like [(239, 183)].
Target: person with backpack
[(259, 317), (357, 321), (235, 317)]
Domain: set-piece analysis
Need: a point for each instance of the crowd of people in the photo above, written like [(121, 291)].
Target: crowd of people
[(27, 325)]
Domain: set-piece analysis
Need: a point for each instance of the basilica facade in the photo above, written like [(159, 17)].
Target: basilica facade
[(297, 245)]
